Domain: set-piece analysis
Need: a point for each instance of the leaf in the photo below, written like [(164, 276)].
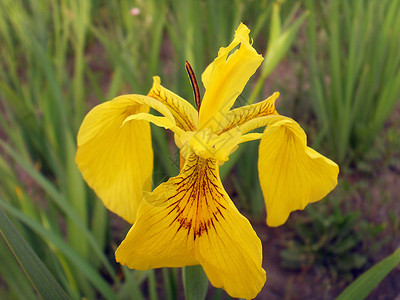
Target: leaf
[(82, 265), (281, 45), (40, 277), (59, 199), (364, 284), (195, 282)]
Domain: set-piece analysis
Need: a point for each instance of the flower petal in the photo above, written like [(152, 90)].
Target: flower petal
[(117, 162), (291, 174), (159, 237), (241, 115), (231, 255), (226, 77), (185, 115), (190, 220), (208, 145), (164, 122)]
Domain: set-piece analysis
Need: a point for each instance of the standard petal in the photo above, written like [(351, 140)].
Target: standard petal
[(191, 220), (185, 115), (291, 174), (117, 162), (226, 77)]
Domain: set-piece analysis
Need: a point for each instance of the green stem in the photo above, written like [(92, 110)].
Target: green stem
[(195, 282)]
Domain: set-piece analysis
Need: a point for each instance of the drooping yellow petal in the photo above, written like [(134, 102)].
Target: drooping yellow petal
[(231, 255), (226, 77), (186, 117), (117, 162), (291, 174), (191, 220), (159, 237), (241, 115)]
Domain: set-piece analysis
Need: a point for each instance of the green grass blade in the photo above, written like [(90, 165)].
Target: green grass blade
[(364, 284), (195, 282), (76, 194), (18, 285), (85, 268), (278, 46), (130, 288), (41, 279), (60, 201), (169, 283)]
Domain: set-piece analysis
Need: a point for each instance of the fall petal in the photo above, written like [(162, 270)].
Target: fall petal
[(117, 162), (291, 174), (191, 220)]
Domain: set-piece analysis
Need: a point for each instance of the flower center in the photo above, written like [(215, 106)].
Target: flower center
[(206, 144)]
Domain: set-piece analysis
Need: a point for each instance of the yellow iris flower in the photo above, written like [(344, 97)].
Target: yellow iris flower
[(190, 219)]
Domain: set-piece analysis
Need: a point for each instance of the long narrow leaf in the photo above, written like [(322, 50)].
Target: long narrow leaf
[(43, 282), (364, 284), (195, 283), (82, 265), (60, 201)]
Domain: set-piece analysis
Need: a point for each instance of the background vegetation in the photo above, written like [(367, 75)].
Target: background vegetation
[(337, 66)]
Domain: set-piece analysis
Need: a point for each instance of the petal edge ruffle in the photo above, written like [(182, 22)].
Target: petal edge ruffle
[(226, 77)]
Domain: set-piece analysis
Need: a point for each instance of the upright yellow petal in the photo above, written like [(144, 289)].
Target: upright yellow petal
[(226, 77), (186, 117), (291, 174), (117, 162), (191, 220)]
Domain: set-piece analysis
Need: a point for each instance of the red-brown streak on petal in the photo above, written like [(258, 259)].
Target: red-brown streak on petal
[(198, 198), (182, 122), (241, 115)]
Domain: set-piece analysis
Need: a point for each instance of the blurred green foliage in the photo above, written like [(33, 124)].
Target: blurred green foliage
[(354, 61), (60, 58), (341, 243)]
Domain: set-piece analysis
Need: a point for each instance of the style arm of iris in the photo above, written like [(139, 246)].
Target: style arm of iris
[(207, 140)]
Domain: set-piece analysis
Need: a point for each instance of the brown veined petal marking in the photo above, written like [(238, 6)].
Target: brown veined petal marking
[(241, 115), (190, 220), (185, 115)]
